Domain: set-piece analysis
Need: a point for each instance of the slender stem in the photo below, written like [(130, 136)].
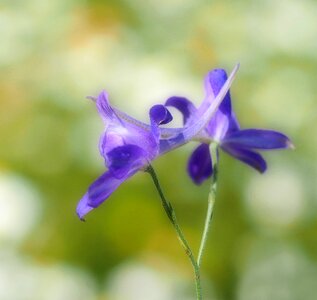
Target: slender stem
[(211, 201), (172, 217)]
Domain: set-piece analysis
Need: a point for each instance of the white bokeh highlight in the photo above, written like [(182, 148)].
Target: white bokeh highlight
[(136, 280), (19, 207), (24, 279), (284, 273), (276, 198), (288, 26)]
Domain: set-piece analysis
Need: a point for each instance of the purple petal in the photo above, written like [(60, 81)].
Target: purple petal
[(199, 165), (221, 125), (103, 106), (258, 139), (109, 140), (159, 114), (166, 145), (214, 81), (121, 129), (224, 120), (125, 158), (83, 208), (195, 128), (98, 192), (185, 106), (218, 126), (206, 115), (250, 158)]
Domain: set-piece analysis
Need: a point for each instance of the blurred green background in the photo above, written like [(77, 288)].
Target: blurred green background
[(263, 241)]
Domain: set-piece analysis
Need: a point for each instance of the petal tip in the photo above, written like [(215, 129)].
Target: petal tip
[(83, 207), (262, 167), (262, 170), (198, 181), (81, 218), (81, 214), (290, 145), (93, 98)]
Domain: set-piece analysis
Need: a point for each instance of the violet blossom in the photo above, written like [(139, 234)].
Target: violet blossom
[(224, 129), (128, 145)]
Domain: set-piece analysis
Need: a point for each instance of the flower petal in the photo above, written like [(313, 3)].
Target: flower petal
[(258, 139), (185, 106), (218, 126), (83, 208), (193, 131), (206, 115), (159, 114), (214, 81), (200, 165), (121, 129), (224, 119), (104, 108), (125, 158), (251, 158), (98, 192)]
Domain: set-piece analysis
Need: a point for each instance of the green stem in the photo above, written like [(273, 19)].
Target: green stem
[(172, 217), (211, 201)]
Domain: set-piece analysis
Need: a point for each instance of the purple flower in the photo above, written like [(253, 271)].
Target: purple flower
[(224, 129), (128, 145)]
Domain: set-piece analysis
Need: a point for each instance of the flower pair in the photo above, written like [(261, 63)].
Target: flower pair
[(128, 145)]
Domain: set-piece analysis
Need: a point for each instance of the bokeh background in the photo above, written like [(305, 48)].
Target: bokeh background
[(263, 241)]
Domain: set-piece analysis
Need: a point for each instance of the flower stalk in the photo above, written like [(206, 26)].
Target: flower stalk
[(211, 201), (172, 217)]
